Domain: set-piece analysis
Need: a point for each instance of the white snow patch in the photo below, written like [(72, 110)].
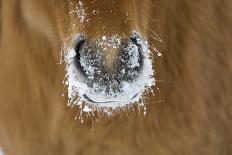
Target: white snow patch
[(87, 109), (130, 92), (103, 37), (159, 54), (80, 11), (133, 52)]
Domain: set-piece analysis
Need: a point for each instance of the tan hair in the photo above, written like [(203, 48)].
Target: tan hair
[(189, 114)]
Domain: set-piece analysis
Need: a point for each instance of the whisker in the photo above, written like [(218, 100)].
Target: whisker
[(153, 47), (156, 37), (159, 101), (166, 81)]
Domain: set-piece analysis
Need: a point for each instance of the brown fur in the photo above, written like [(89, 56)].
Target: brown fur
[(191, 114)]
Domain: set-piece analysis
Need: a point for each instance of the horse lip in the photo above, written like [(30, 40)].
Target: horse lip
[(92, 101)]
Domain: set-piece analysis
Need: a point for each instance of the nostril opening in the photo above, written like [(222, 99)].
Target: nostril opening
[(131, 59), (132, 56), (77, 58), (135, 39)]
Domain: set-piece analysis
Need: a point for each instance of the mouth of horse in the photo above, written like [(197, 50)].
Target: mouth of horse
[(106, 102), (96, 82)]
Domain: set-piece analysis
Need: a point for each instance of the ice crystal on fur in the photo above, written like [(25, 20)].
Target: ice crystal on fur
[(80, 11)]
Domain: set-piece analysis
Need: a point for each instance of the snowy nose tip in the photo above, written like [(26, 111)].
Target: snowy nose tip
[(111, 71), (108, 63)]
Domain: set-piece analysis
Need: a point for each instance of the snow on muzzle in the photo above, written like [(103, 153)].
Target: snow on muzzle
[(110, 72)]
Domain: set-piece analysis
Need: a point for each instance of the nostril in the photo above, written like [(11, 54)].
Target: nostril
[(131, 59), (77, 58), (135, 39)]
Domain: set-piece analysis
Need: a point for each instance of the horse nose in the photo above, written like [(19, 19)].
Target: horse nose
[(108, 64)]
